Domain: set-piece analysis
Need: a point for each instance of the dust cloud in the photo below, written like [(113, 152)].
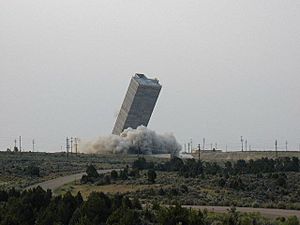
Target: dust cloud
[(141, 140)]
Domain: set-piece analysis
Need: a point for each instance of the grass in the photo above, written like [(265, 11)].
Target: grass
[(86, 189)]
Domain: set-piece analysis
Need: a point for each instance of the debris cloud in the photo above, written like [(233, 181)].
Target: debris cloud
[(141, 140)]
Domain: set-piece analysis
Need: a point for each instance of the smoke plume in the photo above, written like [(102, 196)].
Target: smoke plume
[(140, 140)]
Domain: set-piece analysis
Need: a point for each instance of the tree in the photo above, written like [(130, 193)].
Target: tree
[(97, 208), (114, 175), (140, 164), (124, 216), (92, 172), (281, 181), (293, 220), (79, 199), (33, 171), (151, 176), (173, 216)]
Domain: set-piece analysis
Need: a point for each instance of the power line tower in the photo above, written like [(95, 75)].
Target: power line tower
[(276, 148), (242, 141)]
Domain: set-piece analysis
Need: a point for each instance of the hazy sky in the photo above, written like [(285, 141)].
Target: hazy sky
[(228, 68)]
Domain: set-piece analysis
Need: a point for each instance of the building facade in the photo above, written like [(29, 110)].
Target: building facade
[(139, 103)]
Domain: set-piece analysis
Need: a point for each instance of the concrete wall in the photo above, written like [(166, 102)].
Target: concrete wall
[(137, 107)]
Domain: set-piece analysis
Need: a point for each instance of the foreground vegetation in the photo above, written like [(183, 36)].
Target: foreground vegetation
[(264, 183), (38, 207)]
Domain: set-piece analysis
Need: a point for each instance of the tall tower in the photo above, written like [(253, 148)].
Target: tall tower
[(139, 103)]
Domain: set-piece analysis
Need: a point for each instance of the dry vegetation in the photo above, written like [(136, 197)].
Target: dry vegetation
[(14, 166), (170, 188), (246, 155)]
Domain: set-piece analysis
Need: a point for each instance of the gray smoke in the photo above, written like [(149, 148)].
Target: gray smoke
[(142, 140)]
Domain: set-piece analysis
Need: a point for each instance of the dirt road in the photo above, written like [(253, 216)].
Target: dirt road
[(57, 182)]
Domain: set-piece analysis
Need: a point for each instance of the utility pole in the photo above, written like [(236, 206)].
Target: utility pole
[(246, 145), (276, 148), (242, 141), (20, 143), (286, 146), (191, 145), (203, 146), (71, 145), (76, 144), (15, 143), (199, 152), (33, 145), (67, 146)]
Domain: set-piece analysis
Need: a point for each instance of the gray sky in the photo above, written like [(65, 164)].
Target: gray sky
[(228, 68)]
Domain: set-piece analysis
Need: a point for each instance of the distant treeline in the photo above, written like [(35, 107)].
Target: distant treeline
[(39, 207), (193, 168)]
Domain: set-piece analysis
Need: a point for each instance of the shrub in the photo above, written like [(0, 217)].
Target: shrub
[(151, 176), (114, 175)]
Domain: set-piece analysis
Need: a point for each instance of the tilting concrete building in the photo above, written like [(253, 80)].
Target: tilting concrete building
[(138, 104)]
